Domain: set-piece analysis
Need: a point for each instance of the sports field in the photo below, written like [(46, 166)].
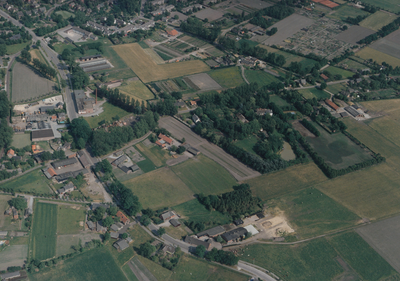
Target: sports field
[(379, 57), (137, 90), (203, 175), (336, 70), (159, 188), (148, 70), (110, 112), (314, 93), (262, 78), (44, 228), (97, 264), (227, 77), (70, 219), (21, 140), (377, 20), (34, 181)]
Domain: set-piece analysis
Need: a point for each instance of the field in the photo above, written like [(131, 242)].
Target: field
[(203, 175), (290, 57), (354, 64), (138, 235), (159, 188), (336, 88), (44, 237), (227, 77), (148, 70), (262, 78), (65, 14), (379, 57), (97, 264), (345, 11), (155, 154), (247, 144), (129, 273), (377, 20), (202, 81), (390, 5), (14, 255), (115, 59), (26, 84), (314, 93), (33, 181), (137, 90), (354, 34), (150, 52), (278, 100), (109, 113), (15, 48), (5, 221), (336, 70), (21, 140), (147, 266), (337, 150), (64, 244), (70, 219)]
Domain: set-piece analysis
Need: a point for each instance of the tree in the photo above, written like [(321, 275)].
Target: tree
[(145, 220), (4, 105), (3, 49), (124, 235), (26, 55), (81, 131), (112, 211), (108, 221), (200, 251), (18, 203), (146, 249), (107, 236), (161, 231), (323, 86)]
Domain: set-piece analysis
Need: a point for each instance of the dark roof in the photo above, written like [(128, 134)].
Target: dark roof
[(352, 111), (212, 231), (114, 235), (175, 222), (38, 134), (46, 108), (193, 150), (68, 175), (90, 57), (167, 215), (237, 222), (260, 215), (234, 234), (9, 275), (134, 167), (64, 162), (125, 169), (90, 224), (122, 244), (197, 242), (120, 160)]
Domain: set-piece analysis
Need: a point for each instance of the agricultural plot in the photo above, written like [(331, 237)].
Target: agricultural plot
[(64, 244), (34, 181), (354, 34), (203, 175), (154, 56), (369, 53), (345, 11), (377, 20), (203, 82), (338, 71), (262, 78), (157, 155), (169, 86), (389, 45), (137, 90), (44, 238), (382, 94), (29, 85), (14, 255), (209, 14), (153, 271), (70, 219), (193, 41), (227, 77), (214, 52), (159, 188), (21, 140), (109, 114), (129, 273), (148, 70), (336, 88), (390, 5), (314, 93)]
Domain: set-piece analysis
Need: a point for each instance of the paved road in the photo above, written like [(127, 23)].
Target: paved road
[(255, 272)]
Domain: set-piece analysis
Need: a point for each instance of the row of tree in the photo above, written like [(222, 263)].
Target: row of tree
[(127, 200), (385, 30), (309, 126), (195, 26), (220, 256)]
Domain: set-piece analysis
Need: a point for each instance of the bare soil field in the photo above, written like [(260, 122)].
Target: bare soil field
[(288, 27), (234, 166), (13, 256), (209, 14), (147, 70), (203, 81), (354, 34), (27, 84), (389, 45)]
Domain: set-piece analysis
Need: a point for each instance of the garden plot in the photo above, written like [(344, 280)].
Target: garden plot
[(168, 86), (354, 34), (193, 41), (203, 82)]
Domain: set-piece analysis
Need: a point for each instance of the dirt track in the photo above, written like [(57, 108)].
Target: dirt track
[(237, 169)]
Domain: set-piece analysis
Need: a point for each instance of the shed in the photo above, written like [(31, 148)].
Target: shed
[(212, 232), (121, 244), (3, 233), (238, 222), (234, 234), (63, 163), (193, 151), (175, 223), (114, 235), (168, 215), (10, 275), (91, 225), (42, 135)]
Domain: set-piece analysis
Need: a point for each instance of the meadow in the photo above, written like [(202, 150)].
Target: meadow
[(15, 48), (44, 228), (336, 70), (278, 100), (5, 221), (227, 77), (34, 181), (305, 62), (262, 78), (147, 266), (155, 154), (369, 53), (109, 114), (159, 188), (70, 219), (148, 70), (203, 175), (390, 5), (247, 144), (351, 63), (138, 235), (314, 93), (21, 140), (137, 90), (345, 11), (377, 20), (336, 88)]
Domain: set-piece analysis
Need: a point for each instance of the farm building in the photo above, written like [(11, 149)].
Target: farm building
[(3, 233), (332, 105), (197, 242), (83, 102), (121, 245), (114, 235), (212, 232), (89, 58), (353, 112), (323, 76), (344, 114), (91, 225), (195, 118), (42, 135), (83, 159), (122, 218), (193, 151), (160, 144), (100, 228), (116, 226), (37, 117), (168, 249), (64, 163), (234, 234), (165, 138), (172, 32), (238, 222), (179, 104), (49, 172), (167, 216), (251, 229), (66, 188), (67, 175), (174, 223), (44, 109), (120, 160)]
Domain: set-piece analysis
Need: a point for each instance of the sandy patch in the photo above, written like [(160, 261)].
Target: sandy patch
[(276, 226)]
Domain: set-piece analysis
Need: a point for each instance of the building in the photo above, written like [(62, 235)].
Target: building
[(15, 214), (195, 118), (197, 242), (83, 102), (64, 163), (353, 112), (332, 105), (167, 216), (124, 219), (212, 232), (120, 160), (168, 249), (165, 138), (83, 159), (179, 104), (174, 223), (49, 172), (43, 135), (47, 108), (160, 144), (10, 153), (116, 226), (172, 32), (89, 58), (234, 234), (91, 225), (3, 233), (238, 222), (121, 244), (323, 76), (66, 188), (263, 111), (114, 235), (67, 175), (10, 275), (61, 116), (193, 151)]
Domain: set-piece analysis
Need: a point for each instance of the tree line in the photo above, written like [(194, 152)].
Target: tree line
[(127, 200), (223, 257), (385, 30), (60, 23), (195, 26), (309, 126)]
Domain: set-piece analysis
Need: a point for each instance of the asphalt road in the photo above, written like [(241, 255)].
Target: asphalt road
[(255, 272)]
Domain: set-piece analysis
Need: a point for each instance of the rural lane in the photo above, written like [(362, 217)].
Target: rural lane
[(255, 271)]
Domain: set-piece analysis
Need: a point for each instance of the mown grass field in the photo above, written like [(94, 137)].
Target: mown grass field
[(203, 175), (21, 140), (227, 77), (247, 144), (377, 20), (137, 90), (262, 78), (336, 70), (34, 181), (278, 100), (97, 264), (369, 53), (65, 14), (44, 228), (138, 235), (70, 219), (109, 113), (335, 88), (155, 154), (159, 188), (12, 49), (353, 64), (121, 257), (345, 11), (314, 93), (159, 272), (148, 70)]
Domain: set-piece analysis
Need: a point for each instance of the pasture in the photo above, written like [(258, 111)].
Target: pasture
[(15, 48), (34, 181), (377, 20), (203, 175), (150, 268), (155, 154), (70, 219), (28, 85), (247, 144), (369, 53), (44, 228), (138, 235), (262, 78), (14, 255), (159, 188), (148, 70), (314, 93), (227, 77), (354, 64), (336, 88), (137, 90), (96, 264), (21, 140), (345, 11), (109, 114), (338, 71)]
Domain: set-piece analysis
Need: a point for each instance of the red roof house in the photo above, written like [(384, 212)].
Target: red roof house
[(165, 138), (172, 32), (332, 104), (10, 153), (122, 217)]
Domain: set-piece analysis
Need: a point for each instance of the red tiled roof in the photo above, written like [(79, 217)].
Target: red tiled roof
[(160, 144), (323, 76), (122, 217), (52, 172), (165, 138), (332, 104), (11, 152), (172, 32)]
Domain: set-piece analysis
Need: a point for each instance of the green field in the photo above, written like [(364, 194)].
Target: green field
[(138, 235), (247, 144), (21, 140), (70, 219), (379, 57), (390, 5), (354, 64), (203, 175), (137, 90), (278, 100), (262, 78), (147, 266), (34, 181), (12, 49), (336, 70), (377, 20), (97, 264), (305, 62), (165, 57), (345, 11), (337, 150), (115, 59), (129, 273), (121, 257), (159, 188), (109, 114), (314, 93), (194, 211), (227, 77), (155, 154), (336, 88), (65, 14), (44, 228)]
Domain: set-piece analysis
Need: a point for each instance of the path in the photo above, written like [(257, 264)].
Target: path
[(244, 77)]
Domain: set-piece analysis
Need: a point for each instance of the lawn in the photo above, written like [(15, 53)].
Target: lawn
[(109, 113), (247, 144), (65, 243), (137, 90), (34, 181), (337, 150), (159, 188), (203, 175), (354, 64), (21, 140), (12, 49), (377, 20), (65, 14), (156, 155), (262, 78), (314, 93), (345, 11), (278, 100), (70, 219), (97, 264), (138, 235), (336, 70), (336, 88), (44, 237), (227, 77), (194, 211), (14, 255), (369, 53)]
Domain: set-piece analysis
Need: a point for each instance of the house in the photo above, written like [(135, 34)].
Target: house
[(172, 32), (157, 2), (83, 102), (174, 223), (195, 118), (242, 118), (165, 138), (234, 234), (120, 160), (64, 163), (28, 211), (193, 151), (179, 104), (66, 188), (36, 149), (303, 82), (197, 242), (193, 102), (53, 118), (160, 144), (42, 10), (121, 245), (212, 232), (238, 222), (167, 216), (114, 235), (91, 225), (43, 135), (116, 226), (332, 105), (323, 76), (15, 37), (263, 111), (123, 218), (168, 249), (10, 275), (10, 153)]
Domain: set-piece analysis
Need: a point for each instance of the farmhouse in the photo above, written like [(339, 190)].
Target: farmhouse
[(10, 153), (174, 223), (49, 172), (100, 228), (122, 218), (353, 112), (165, 139), (83, 102), (64, 163), (167, 216), (66, 188), (168, 249), (212, 232), (197, 242), (332, 105), (43, 135), (195, 118), (172, 32), (323, 76), (67, 175), (234, 234)]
